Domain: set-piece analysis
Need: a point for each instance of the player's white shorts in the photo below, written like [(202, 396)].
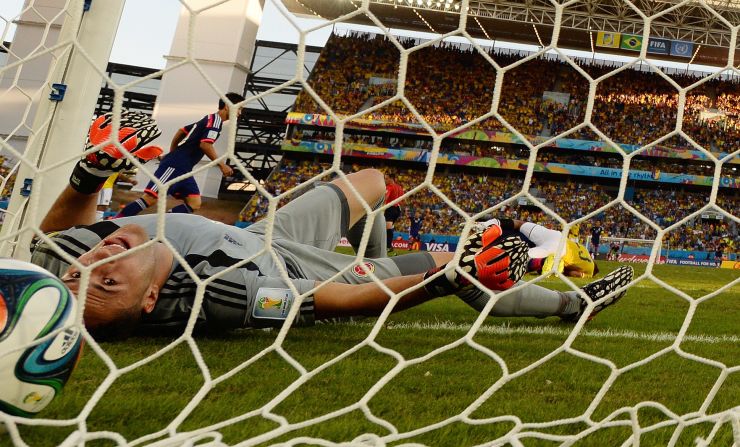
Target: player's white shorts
[(104, 196)]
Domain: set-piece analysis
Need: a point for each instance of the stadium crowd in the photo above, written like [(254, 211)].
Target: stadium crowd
[(450, 85), (7, 179), (474, 192)]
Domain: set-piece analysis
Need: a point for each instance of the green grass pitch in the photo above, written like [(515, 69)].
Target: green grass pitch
[(147, 399)]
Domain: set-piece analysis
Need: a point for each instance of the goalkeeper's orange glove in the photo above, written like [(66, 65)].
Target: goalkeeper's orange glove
[(136, 130), (497, 261)]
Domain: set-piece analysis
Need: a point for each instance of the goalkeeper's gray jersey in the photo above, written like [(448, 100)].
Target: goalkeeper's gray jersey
[(252, 295)]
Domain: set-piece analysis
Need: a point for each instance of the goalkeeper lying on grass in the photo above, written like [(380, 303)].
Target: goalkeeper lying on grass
[(137, 283)]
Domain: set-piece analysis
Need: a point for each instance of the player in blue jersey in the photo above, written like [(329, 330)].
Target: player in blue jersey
[(596, 231), (415, 223), (188, 146)]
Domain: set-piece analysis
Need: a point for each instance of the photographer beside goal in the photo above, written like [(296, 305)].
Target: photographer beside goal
[(146, 289)]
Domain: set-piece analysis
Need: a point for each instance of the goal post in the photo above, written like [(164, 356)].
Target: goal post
[(634, 250), (65, 103)]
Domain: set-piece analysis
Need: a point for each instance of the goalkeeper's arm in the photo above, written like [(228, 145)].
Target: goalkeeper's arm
[(545, 240), (369, 299), (77, 203), (71, 208), (497, 261)]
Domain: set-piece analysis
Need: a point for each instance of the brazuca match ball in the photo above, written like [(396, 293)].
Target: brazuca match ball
[(34, 303)]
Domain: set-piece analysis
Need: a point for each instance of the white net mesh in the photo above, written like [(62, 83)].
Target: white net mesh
[(660, 369)]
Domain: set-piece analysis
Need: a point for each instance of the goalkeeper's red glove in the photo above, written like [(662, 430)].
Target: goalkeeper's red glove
[(136, 130), (497, 262)]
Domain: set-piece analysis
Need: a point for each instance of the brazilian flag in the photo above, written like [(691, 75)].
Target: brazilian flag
[(631, 42)]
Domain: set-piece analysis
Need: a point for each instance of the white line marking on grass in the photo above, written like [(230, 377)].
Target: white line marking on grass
[(506, 329)]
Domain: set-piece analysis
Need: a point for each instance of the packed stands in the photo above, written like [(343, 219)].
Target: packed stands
[(476, 191), (7, 178), (450, 85)]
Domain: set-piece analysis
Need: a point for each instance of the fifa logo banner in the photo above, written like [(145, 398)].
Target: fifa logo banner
[(607, 40), (658, 46)]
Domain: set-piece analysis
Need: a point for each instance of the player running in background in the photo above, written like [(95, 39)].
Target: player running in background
[(138, 282), (416, 222), (106, 194), (186, 150), (596, 231), (392, 191)]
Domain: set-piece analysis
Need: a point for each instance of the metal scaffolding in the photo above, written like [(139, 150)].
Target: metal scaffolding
[(532, 21), (261, 127)]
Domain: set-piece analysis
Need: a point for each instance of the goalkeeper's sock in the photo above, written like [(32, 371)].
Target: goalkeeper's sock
[(183, 208), (389, 237), (99, 215), (530, 301), (133, 208)]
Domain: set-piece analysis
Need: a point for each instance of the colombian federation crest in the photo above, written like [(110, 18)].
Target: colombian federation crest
[(359, 272)]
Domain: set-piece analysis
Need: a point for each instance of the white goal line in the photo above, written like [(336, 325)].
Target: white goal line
[(507, 329)]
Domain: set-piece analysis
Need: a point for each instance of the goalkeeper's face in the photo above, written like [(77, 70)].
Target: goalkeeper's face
[(120, 288)]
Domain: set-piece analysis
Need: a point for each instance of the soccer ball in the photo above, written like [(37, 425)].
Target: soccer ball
[(34, 303)]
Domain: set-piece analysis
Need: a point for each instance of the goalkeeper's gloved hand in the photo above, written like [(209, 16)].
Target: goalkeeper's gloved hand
[(497, 261), (136, 130)]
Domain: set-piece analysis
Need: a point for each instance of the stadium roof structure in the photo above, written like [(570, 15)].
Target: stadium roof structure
[(532, 21)]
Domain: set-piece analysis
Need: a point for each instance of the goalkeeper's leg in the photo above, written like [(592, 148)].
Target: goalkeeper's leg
[(530, 301), (537, 301), (323, 214)]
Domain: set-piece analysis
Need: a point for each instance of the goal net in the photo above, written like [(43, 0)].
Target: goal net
[(470, 126), (631, 250)]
